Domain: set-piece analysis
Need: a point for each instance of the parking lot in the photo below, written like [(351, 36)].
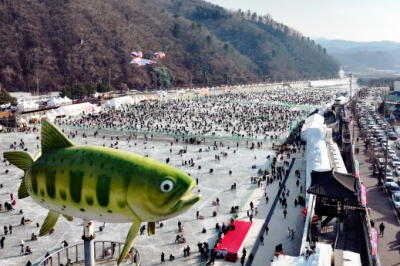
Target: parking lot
[(382, 201), (381, 146)]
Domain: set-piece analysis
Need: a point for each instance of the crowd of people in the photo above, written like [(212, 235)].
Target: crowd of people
[(244, 115), (262, 115)]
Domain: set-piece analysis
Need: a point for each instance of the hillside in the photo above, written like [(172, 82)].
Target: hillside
[(362, 56), (51, 44)]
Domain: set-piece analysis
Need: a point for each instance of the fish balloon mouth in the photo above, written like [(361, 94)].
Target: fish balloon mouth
[(187, 200)]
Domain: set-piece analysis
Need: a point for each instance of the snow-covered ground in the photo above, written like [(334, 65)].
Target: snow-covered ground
[(217, 184)]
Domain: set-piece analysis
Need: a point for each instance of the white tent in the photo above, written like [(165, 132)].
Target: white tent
[(78, 109), (315, 121), (112, 104), (67, 100), (125, 100), (27, 106), (54, 102), (48, 117)]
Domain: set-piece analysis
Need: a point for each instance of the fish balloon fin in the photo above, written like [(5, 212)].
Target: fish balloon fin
[(22, 190), (53, 138), (37, 155), (151, 228), (23, 161), (130, 239), (20, 159), (49, 223), (69, 218)]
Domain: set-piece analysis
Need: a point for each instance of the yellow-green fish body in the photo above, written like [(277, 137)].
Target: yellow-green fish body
[(103, 184)]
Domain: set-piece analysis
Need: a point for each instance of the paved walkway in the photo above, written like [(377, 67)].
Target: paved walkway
[(381, 209), (272, 212)]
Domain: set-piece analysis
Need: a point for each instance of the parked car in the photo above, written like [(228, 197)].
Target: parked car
[(393, 189), (390, 181), (395, 161), (380, 136), (392, 136), (398, 145), (388, 171), (391, 153), (398, 170), (396, 199)]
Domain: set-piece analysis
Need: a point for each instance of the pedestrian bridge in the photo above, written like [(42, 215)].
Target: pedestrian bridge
[(104, 254)]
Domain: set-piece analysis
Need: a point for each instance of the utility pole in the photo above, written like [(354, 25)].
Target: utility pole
[(387, 139), (351, 85), (37, 85), (109, 76)]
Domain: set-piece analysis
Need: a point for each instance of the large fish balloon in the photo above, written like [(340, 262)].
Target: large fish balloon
[(103, 184)]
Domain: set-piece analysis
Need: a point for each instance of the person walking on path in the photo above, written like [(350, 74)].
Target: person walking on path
[(266, 230), (162, 257), (284, 213), (251, 257), (197, 215), (251, 205), (381, 229), (242, 261), (262, 240), (288, 229), (292, 233)]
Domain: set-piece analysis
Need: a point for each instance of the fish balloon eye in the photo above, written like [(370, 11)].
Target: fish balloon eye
[(166, 186)]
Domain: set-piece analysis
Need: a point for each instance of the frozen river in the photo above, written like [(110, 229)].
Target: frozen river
[(239, 160)]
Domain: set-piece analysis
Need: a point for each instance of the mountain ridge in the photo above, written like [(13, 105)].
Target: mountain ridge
[(54, 44)]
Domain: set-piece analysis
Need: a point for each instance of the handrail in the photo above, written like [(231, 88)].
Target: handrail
[(107, 253)]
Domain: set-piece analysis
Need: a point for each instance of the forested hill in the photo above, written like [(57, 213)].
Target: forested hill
[(52, 44)]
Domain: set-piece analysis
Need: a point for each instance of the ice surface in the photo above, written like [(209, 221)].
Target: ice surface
[(211, 186)]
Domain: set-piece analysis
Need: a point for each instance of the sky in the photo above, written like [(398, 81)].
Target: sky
[(352, 20)]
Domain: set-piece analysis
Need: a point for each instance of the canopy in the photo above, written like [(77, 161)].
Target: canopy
[(54, 102), (77, 109), (315, 121), (27, 106)]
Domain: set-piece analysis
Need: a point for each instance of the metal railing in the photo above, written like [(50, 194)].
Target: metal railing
[(103, 251)]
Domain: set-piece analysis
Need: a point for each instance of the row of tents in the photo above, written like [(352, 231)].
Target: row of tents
[(125, 100), (55, 101), (58, 101)]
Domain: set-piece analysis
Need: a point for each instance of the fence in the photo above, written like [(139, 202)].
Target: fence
[(103, 251)]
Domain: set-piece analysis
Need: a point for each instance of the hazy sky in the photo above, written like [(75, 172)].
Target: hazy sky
[(354, 20)]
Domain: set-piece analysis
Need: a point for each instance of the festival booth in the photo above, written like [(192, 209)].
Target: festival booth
[(54, 102), (66, 100), (316, 122), (227, 90), (162, 94), (27, 106), (112, 104), (78, 109), (34, 118), (205, 91), (5, 106), (21, 121), (233, 241)]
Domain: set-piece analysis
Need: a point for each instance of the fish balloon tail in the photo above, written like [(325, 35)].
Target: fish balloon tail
[(23, 160)]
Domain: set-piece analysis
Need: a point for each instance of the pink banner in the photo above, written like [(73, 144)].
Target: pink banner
[(363, 195), (374, 242)]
